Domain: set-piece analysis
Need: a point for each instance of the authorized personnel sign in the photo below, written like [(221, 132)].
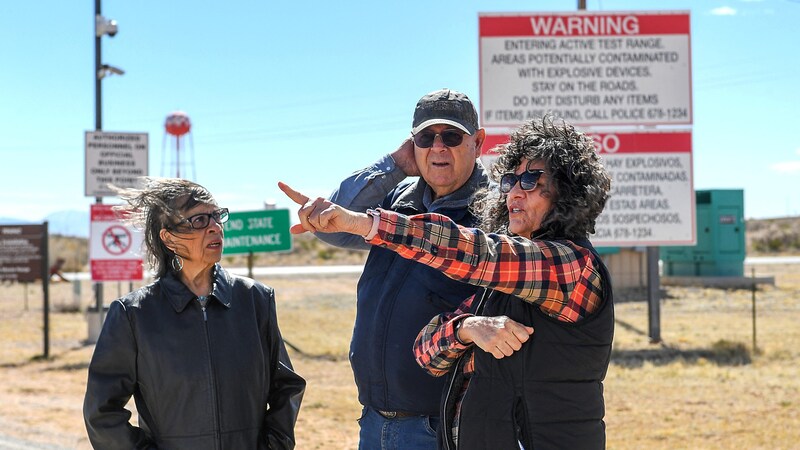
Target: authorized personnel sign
[(257, 231), (114, 158), (21, 250), (114, 247), (589, 68), (652, 201)]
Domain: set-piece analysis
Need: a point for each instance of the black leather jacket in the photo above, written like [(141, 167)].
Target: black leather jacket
[(216, 377)]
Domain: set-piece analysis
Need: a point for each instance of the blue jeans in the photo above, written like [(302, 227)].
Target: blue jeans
[(405, 433)]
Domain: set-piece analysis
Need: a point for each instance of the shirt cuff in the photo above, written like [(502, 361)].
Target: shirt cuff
[(457, 322), (376, 220)]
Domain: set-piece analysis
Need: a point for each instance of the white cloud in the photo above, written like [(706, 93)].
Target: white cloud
[(723, 11), (787, 167)]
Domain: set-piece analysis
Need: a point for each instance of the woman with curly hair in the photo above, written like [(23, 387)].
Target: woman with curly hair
[(511, 387)]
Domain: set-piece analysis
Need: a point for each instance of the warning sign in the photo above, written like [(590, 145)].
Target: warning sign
[(114, 247), (652, 199), (589, 68)]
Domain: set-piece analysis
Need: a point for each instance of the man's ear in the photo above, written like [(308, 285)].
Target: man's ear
[(480, 136)]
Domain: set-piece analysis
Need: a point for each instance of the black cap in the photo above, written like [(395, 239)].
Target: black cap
[(448, 107)]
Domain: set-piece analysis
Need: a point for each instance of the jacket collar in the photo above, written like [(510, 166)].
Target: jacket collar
[(179, 295), (419, 195)]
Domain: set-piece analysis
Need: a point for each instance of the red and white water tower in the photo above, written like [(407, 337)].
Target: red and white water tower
[(181, 156)]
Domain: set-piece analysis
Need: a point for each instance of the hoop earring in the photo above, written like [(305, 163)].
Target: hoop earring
[(177, 263)]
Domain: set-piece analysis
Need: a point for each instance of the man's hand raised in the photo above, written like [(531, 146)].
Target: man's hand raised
[(322, 215)]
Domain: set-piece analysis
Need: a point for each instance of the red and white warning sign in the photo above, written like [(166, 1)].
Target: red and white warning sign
[(114, 247), (652, 199), (591, 68)]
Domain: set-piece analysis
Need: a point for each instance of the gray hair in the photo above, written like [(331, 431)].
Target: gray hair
[(159, 204), (577, 181)]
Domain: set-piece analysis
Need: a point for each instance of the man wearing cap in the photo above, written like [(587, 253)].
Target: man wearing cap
[(397, 297)]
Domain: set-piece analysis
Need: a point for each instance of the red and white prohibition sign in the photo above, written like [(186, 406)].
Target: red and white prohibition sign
[(117, 240)]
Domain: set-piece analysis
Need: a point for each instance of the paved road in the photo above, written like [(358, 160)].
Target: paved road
[(9, 443), (260, 271), (357, 269)]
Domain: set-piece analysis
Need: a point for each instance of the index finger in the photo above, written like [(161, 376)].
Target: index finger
[(296, 197)]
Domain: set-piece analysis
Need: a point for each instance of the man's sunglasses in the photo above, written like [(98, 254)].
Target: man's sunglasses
[(201, 221), (450, 138), (527, 180)]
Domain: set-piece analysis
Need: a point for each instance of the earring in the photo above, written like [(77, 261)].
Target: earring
[(177, 263)]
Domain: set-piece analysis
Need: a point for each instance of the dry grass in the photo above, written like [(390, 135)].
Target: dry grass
[(703, 387)]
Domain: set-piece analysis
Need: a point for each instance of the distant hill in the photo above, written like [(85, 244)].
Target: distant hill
[(69, 223), (773, 236), (13, 221)]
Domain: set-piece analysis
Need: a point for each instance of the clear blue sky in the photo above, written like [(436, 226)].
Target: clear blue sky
[(308, 91)]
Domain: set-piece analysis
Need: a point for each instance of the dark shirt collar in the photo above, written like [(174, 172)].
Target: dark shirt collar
[(179, 295)]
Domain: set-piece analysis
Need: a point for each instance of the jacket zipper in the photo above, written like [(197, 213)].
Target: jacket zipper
[(215, 403), (449, 431)]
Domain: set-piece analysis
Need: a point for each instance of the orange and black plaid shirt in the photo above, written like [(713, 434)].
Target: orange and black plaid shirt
[(560, 277)]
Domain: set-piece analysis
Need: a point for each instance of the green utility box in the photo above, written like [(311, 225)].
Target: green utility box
[(720, 248)]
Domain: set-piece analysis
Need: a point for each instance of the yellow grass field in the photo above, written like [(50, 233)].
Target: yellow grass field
[(702, 387)]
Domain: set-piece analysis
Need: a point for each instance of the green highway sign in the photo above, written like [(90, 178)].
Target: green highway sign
[(257, 231)]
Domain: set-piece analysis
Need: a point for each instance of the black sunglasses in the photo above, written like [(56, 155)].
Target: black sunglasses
[(202, 220), (527, 180), (450, 138)]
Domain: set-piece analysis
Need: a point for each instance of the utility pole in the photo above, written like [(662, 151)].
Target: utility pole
[(98, 126), (101, 27)]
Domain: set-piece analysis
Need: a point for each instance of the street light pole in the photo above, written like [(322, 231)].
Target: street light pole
[(98, 96), (98, 126)]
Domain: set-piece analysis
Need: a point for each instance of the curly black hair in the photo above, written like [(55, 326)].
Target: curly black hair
[(578, 182)]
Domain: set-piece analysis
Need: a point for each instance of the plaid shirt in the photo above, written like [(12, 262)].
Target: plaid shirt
[(560, 277)]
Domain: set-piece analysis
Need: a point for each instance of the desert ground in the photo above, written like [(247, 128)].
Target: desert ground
[(703, 386)]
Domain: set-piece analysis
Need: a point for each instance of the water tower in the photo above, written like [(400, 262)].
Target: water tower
[(181, 156)]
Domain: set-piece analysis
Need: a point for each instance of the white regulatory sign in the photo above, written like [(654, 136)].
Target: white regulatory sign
[(114, 158), (652, 199), (589, 68)]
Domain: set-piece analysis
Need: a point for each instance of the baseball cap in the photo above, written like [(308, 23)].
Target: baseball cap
[(448, 107)]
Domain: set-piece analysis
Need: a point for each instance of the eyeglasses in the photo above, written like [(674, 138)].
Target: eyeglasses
[(527, 180), (450, 138), (202, 220)]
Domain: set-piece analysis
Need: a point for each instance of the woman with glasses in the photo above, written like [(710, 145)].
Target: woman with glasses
[(199, 349), (527, 355)]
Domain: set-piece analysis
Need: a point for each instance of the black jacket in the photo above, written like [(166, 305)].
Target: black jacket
[(214, 379), (547, 395)]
